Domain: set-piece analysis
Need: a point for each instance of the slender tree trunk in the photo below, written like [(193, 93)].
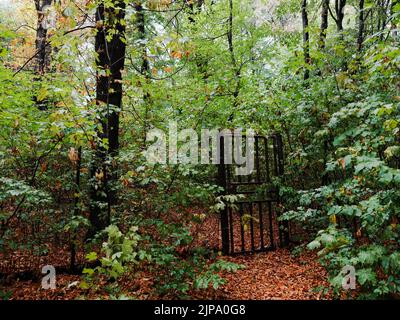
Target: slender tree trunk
[(324, 23), (306, 39), (237, 69), (339, 9), (360, 38), (384, 11), (110, 47), (145, 65), (230, 33), (44, 50)]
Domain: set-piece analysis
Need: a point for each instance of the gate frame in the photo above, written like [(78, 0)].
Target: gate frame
[(226, 222)]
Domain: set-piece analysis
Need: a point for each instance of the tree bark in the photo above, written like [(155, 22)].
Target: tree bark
[(236, 67), (145, 65), (110, 48), (42, 64), (306, 39), (324, 23), (339, 9), (43, 49), (360, 38)]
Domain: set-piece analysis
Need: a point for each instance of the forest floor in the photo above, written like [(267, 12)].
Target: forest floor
[(275, 274), (272, 275)]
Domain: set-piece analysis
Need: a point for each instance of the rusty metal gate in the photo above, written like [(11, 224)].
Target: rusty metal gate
[(249, 223)]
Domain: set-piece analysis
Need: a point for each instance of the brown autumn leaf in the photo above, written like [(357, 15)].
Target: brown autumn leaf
[(125, 182), (43, 167), (176, 54), (73, 155), (342, 163)]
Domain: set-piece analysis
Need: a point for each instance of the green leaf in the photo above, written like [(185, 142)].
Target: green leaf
[(92, 256), (365, 276)]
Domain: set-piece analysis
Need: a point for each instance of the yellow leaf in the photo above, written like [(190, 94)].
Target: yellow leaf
[(100, 175), (42, 94)]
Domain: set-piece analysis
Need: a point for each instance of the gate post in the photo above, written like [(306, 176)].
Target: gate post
[(223, 183), (285, 238)]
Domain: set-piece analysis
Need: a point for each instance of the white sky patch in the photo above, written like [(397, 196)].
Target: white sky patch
[(6, 4)]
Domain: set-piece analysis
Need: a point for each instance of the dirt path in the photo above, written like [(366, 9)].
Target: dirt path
[(271, 275), (275, 275)]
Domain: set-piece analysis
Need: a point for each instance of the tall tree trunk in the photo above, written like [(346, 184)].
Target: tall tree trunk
[(306, 39), (339, 10), (145, 65), (236, 67), (384, 12), (324, 23), (42, 48), (360, 38), (110, 47)]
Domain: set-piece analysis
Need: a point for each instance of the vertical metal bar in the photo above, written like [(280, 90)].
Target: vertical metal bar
[(285, 224), (230, 167), (241, 225), (271, 225), (231, 231), (260, 215), (279, 144), (257, 160), (275, 155), (240, 177), (249, 176), (223, 183), (267, 159), (251, 227)]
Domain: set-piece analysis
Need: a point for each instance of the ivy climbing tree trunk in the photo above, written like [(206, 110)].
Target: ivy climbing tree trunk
[(110, 46)]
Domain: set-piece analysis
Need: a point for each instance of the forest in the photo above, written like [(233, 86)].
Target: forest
[(199, 149)]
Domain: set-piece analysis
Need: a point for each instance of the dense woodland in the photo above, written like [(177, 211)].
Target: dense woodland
[(82, 83)]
